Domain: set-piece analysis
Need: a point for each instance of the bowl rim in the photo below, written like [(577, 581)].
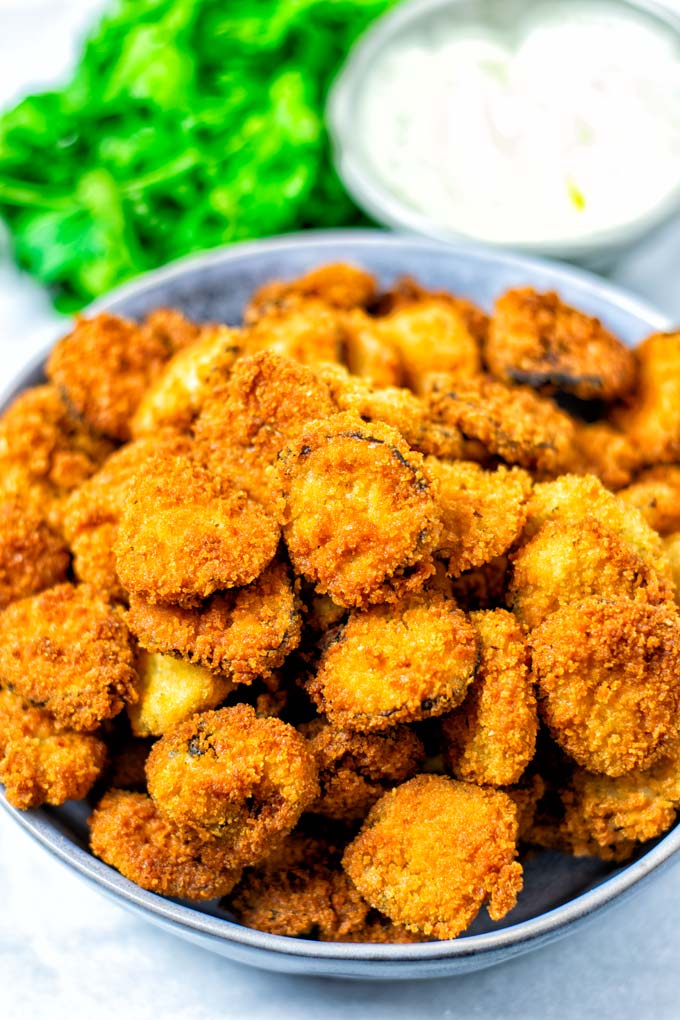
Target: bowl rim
[(366, 187), (38, 822)]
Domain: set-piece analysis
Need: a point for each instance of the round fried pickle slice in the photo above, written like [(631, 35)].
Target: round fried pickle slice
[(187, 533), (656, 494), (234, 775), (651, 415), (511, 422), (491, 738), (356, 769), (66, 650), (128, 832), (608, 674), (396, 663), (32, 555), (243, 633), (483, 512), (360, 518), (433, 851), (339, 284), (539, 340), (566, 561)]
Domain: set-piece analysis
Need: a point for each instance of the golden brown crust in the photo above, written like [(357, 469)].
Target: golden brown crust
[(360, 518), (511, 422), (538, 340), (656, 494), (651, 415), (103, 368), (608, 674), (483, 512), (339, 284), (248, 800), (369, 353), (397, 663), (128, 832), (302, 329), (243, 633), (356, 769), (606, 452), (249, 419), (491, 738), (67, 650), (32, 555), (433, 851), (187, 533)]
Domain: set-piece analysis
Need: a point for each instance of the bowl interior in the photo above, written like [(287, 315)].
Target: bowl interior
[(558, 889)]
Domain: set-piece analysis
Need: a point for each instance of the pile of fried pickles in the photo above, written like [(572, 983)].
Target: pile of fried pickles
[(335, 615)]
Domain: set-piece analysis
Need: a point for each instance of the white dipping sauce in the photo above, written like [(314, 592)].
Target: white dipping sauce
[(569, 128)]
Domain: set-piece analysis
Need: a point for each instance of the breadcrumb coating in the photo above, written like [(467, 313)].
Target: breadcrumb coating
[(45, 452), (339, 284), (608, 675), (369, 352), (433, 851), (249, 419), (396, 663), (566, 561), (174, 399), (483, 512), (539, 340), (656, 494), (356, 769), (491, 738), (672, 549), (249, 799), (512, 422), (606, 452), (32, 555), (651, 415), (407, 292), (303, 329), (128, 832), (187, 533), (360, 519), (103, 368), (66, 650), (39, 763), (243, 633), (171, 690)]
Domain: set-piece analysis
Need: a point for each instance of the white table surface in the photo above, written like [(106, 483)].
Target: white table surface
[(67, 952)]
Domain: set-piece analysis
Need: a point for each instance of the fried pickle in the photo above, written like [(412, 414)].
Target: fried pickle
[(656, 494), (338, 284), (651, 415), (128, 832), (538, 340), (608, 675), (171, 690), (243, 633), (491, 738), (66, 650), (360, 519), (396, 663), (32, 555), (433, 851), (248, 800)]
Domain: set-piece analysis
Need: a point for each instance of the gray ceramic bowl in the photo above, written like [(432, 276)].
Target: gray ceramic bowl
[(560, 892)]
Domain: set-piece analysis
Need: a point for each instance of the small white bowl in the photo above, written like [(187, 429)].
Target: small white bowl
[(594, 249)]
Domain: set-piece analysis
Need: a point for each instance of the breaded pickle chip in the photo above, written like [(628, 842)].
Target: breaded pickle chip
[(369, 352), (491, 738), (66, 650), (243, 633), (103, 368), (512, 422), (92, 512), (128, 832), (651, 415), (360, 518), (236, 776), (539, 340), (433, 851), (606, 452), (32, 555), (656, 494), (248, 420), (303, 329), (170, 690), (672, 550), (174, 399), (39, 762), (566, 561), (356, 769), (608, 675), (339, 284), (396, 663), (483, 512), (187, 533)]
